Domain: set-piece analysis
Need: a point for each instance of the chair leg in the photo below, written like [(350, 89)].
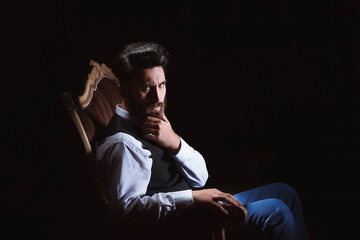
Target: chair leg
[(218, 228), (218, 234)]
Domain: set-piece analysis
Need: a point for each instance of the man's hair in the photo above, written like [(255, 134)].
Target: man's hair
[(136, 56)]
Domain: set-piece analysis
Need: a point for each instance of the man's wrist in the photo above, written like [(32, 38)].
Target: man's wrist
[(176, 147)]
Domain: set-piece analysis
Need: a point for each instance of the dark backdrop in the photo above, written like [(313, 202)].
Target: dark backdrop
[(265, 90)]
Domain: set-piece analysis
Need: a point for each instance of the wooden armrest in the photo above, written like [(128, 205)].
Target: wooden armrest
[(239, 216)]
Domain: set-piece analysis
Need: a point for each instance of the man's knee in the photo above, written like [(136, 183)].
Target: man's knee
[(285, 192), (280, 217), (266, 210), (280, 209)]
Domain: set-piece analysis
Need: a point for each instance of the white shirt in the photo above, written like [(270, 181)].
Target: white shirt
[(128, 169)]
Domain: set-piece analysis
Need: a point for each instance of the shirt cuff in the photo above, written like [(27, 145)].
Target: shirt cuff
[(185, 151), (183, 199)]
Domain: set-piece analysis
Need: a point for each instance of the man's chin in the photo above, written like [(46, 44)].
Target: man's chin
[(156, 114)]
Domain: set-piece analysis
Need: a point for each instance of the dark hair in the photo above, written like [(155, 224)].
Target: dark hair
[(136, 56)]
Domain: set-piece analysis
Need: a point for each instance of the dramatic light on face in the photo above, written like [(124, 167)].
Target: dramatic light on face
[(148, 93)]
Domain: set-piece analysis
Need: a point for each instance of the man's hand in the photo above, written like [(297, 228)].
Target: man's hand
[(161, 132), (214, 198)]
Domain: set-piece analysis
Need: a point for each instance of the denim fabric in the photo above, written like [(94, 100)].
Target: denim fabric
[(274, 212)]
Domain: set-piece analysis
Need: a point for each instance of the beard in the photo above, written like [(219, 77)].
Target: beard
[(158, 114), (144, 111)]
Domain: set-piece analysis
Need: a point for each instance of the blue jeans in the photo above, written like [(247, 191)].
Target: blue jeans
[(274, 212)]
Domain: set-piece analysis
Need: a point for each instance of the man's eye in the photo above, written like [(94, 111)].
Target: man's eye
[(147, 88), (162, 85)]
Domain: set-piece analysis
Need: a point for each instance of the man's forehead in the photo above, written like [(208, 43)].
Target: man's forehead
[(150, 76)]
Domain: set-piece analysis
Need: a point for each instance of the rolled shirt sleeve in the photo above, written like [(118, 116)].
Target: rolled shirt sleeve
[(192, 165)]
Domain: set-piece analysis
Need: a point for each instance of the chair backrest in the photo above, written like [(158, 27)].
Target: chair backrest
[(92, 111)]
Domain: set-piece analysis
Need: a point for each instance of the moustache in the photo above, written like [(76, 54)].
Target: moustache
[(158, 114), (160, 104)]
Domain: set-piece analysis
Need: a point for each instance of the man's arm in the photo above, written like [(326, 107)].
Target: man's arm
[(129, 170), (128, 174), (161, 132), (192, 165), (189, 161)]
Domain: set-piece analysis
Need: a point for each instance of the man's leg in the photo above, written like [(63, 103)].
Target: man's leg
[(274, 208)]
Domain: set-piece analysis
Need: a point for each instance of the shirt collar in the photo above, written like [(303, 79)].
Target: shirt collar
[(121, 112)]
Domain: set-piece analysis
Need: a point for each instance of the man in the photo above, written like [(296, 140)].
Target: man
[(153, 174)]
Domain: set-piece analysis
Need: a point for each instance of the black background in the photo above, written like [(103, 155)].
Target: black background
[(265, 90)]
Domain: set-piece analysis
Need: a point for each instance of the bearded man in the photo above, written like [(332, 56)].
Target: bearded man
[(153, 175)]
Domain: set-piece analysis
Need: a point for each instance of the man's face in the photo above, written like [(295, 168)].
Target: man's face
[(147, 93)]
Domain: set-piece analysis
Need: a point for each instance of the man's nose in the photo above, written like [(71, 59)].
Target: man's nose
[(155, 96)]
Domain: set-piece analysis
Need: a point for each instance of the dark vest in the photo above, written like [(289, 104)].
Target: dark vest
[(165, 177)]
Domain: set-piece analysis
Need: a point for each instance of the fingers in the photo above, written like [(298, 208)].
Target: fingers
[(151, 123), (151, 126), (229, 206), (232, 200), (227, 197), (150, 136), (153, 119), (219, 201), (221, 197), (219, 206), (151, 131)]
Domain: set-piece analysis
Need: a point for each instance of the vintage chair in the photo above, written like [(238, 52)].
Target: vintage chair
[(92, 111)]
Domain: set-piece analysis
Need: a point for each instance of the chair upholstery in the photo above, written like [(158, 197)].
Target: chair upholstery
[(98, 101)]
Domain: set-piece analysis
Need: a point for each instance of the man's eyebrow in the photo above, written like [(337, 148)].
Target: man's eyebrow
[(150, 84)]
